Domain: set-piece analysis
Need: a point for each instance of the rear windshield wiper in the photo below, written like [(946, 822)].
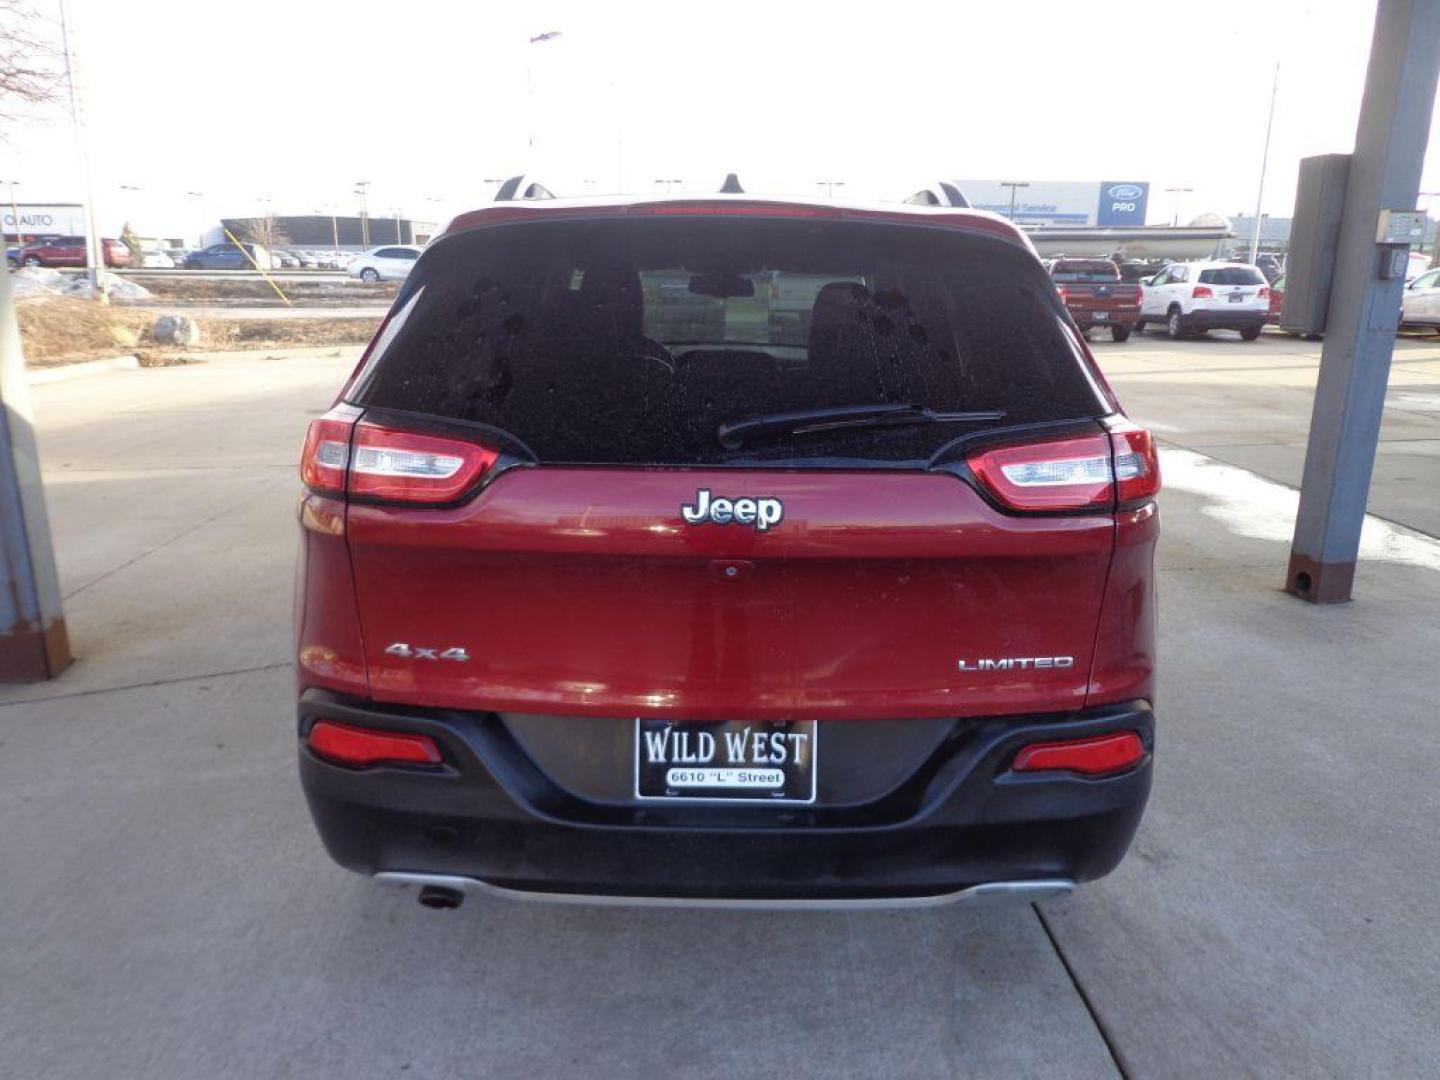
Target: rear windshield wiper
[(811, 421)]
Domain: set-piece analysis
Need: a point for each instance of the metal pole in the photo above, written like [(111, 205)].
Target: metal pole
[(1014, 186), (15, 214), (33, 642), (93, 258), (1264, 161), (1177, 191), (362, 189), (1384, 173)]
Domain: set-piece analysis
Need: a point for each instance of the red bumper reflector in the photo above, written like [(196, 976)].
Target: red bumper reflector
[(362, 746), (1103, 754)]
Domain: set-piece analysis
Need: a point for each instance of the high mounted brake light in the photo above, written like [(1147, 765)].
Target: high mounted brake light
[(373, 462), (1089, 472)]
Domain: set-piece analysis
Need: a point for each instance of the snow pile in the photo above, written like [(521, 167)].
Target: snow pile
[(39, 281)]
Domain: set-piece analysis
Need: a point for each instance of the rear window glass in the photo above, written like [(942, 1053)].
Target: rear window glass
[(1232, 275), (635, 341), (1085, 270)]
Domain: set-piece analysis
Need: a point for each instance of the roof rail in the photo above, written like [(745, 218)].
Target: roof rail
[(941, 193), (522, 187), (731, 186)]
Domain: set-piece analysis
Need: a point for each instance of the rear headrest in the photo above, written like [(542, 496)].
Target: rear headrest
[(613, 295)]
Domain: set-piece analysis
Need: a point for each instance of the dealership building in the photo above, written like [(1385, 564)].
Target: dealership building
[(29, 220)]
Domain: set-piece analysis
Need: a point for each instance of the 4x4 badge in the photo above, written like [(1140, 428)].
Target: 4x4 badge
[(759, 513), (421, 652)]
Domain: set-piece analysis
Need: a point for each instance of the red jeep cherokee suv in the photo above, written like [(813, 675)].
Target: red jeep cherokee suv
[(733, 550)]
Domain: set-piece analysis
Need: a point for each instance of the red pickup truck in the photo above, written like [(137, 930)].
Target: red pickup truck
[(1094, 295)]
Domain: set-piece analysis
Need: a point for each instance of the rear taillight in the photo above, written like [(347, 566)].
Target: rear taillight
[(1201, 292), (1092, 757), (1091, 472), (365, 746), (1137, 466), (1264, 292), (1064, 293), (1060, 474), (326, 452), (370, 461), (404, 466)]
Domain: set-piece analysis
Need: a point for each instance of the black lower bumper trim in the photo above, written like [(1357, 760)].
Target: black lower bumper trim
[(961, 819)]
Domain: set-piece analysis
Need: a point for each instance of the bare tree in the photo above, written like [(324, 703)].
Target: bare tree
[(265, 231), (30, 68)]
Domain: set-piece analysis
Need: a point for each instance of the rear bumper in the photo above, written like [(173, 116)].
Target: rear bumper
[(1124, 316), (958, 823), (1221, 319)]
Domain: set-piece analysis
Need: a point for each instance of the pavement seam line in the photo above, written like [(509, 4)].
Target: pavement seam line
[(1116, 1057), (145, 685), (158, 547)]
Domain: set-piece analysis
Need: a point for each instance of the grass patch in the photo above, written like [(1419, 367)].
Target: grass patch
[(62, 330)]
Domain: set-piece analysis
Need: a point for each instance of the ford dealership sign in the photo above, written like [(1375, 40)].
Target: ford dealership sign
[(1122, 203)]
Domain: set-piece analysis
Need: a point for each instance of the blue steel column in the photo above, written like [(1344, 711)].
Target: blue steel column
[(33, 643), (1360, 327)]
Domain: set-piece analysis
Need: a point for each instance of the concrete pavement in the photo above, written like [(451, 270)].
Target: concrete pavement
[(168, 911), (1248, 403)]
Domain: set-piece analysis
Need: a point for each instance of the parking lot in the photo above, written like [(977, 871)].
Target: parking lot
[(170, 912)]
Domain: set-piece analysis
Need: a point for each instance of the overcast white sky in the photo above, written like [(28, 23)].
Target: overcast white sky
[(295, 101)]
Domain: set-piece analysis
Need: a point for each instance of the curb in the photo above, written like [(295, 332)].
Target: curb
[(62, 372)]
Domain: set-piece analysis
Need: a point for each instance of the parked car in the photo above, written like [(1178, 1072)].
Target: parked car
[(1420, 302), (280, 259), (1094, 295), (70, 251), (1277, 300), (152, 258), (1191, 298), (391, 263), (612, 584), (228, 257)]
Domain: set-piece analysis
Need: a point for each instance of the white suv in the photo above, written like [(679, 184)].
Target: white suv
[(1190, 298)]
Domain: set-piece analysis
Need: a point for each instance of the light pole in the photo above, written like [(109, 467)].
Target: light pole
[(1177, 192), (92, 237), (15, 213), (362, 188), (199, 210), (334, 228), (1013, 185), (396, 212), (1264, 160), (829, 186), (538, 39)]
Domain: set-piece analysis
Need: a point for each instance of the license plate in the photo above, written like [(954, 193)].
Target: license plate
[(731, 761), (1236, 297), (1101, 316)]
